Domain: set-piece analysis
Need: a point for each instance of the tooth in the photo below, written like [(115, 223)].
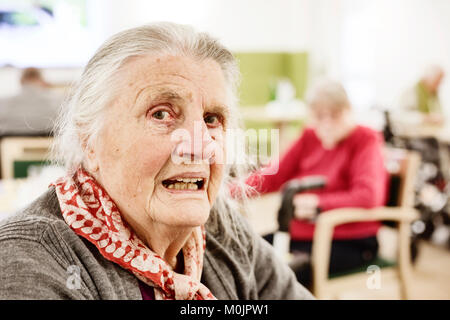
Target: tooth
[(185, 184)]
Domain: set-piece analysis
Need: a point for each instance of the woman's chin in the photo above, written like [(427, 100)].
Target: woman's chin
[(178, 207), (191, 214)]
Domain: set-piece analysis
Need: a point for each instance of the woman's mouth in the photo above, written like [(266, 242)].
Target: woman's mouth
[(184, 184)]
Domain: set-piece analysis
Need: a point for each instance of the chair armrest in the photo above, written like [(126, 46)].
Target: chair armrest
[(327, 221), (335, 217)]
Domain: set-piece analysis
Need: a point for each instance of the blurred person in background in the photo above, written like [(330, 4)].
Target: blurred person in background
[(423, 98), (350, 158), (31, 112)]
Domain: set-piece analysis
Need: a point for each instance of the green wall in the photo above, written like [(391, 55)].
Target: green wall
[(261, 70)]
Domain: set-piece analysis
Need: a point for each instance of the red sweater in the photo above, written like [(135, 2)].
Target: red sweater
[(355, 173)]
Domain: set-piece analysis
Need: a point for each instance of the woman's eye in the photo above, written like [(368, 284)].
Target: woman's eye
[(212, 120), (161, 115)]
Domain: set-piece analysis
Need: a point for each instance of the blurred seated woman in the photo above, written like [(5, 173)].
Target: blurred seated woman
[(143, 212), (350, 158)]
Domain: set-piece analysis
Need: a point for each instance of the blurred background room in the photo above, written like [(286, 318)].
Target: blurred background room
[(392, 58)]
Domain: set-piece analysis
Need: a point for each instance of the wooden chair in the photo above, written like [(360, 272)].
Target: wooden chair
[(15, 151), (325, 287)]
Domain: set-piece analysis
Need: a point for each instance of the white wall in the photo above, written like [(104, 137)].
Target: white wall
[(386, 45), (269, 25), (376, 48), (242, 25)]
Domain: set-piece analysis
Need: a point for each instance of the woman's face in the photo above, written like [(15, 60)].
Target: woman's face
[(168, 110), (331, 123)]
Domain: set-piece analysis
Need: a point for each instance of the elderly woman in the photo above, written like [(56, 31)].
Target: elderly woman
[(350, 158), (143, 212)]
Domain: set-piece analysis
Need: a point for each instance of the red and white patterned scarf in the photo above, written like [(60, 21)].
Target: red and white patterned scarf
[(92, 214)]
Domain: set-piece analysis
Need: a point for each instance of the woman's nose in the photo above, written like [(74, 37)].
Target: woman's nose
[(194, 144)]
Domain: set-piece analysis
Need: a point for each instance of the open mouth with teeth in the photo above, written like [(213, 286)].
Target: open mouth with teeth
[(184, 183)]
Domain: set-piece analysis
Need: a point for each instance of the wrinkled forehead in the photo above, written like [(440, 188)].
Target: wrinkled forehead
[(201, 77)]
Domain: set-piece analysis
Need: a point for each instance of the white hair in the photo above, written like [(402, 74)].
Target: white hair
[(328, 91), (81, 117)]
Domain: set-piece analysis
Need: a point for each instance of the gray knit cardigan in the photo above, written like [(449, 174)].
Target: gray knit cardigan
[(42, 258)]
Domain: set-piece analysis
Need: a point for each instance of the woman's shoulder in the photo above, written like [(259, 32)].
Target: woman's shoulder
[(308, 133), (229, 227), (307, 138), (366, 135), (239, 264), (32, 262), (40, 256), (228, 263), (39, 227), (31, 222)]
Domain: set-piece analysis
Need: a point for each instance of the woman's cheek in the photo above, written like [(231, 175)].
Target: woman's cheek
[(157, 155), (149, 157), (217, 169), (216, 175), (218, 145)]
